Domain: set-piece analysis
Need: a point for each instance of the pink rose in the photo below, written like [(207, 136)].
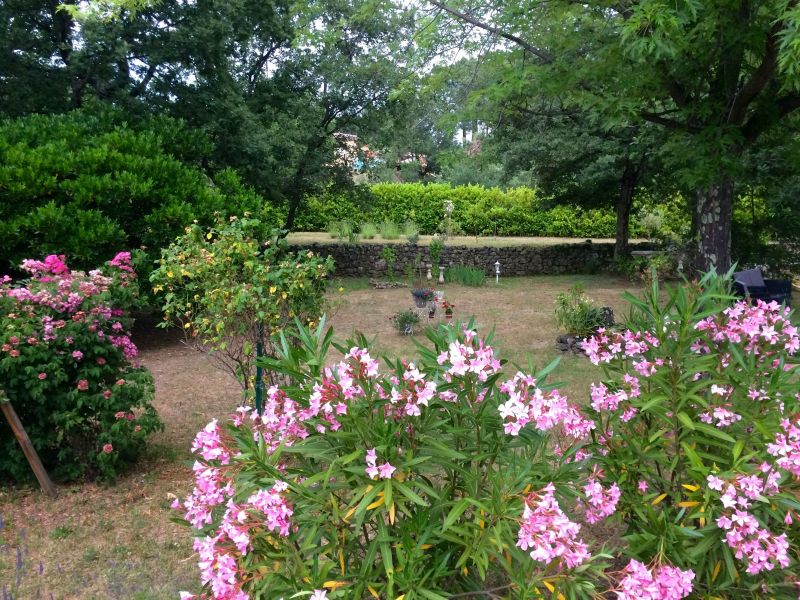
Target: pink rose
[(108, 448), (120, 382), (83, 385), (42, 376), (100, 360), (77, 354)]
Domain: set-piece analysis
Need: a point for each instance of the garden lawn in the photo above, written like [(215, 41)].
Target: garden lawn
[(118, 541)]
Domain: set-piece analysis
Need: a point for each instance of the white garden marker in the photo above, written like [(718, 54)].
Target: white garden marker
[(497, 272)]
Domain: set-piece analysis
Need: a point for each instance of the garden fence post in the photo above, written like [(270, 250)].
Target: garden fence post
[(27, 446)]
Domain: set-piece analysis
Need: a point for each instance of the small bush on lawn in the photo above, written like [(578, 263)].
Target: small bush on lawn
[(448, 477), (66, 364), (465, 275), (405, 321), (576, 314), (230, 293)]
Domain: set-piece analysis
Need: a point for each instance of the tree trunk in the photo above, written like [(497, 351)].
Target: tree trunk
[(627, 187), (711, 226)]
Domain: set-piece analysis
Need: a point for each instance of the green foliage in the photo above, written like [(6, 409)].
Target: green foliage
[(405, 321), (389, 230), (390, 256), (368, 231), (65, 366), (576, 314), (443, 523), (479, 211), (230, 292), (435, 250), (85, 183), (465, 275)]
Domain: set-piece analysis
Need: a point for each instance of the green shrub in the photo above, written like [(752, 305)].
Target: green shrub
[(231, 293), (576, 314), (435, 249), (465, 275), (389, 230), (405, 321), (84, 183), (65, 365), (475, 211), (368, 231), (390, 256)]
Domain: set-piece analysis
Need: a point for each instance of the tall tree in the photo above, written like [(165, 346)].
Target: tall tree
[(715, 74)]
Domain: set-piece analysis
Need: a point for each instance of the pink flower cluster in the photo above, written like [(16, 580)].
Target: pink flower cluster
[(411, 392), (72, 296), (470, 358), (385, 471), (762, 549), (762, 327), (548, 533), (264, 510), (605, 400), (786, 446), (661, 583), (527, 403), (600, 502), (604, 346)]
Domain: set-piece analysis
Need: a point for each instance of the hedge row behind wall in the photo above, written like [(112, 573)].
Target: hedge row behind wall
[(476, 211)]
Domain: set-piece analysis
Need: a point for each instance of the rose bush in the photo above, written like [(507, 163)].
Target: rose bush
[(447, 477), (68, 368)]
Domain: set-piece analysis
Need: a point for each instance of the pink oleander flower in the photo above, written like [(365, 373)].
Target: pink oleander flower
[(758, 546), (661, 583), (786, 446), (547, 532), (384, 471), (472, 358), (642, 486), (527, 403), (600, 502), (83, 385), (108, 448), (208, 444)]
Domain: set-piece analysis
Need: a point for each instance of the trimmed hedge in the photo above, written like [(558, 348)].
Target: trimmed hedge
[(476, 210), (86, 183)]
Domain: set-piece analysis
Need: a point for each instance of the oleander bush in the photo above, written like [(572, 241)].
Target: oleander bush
[(449, 476), (68, 366)]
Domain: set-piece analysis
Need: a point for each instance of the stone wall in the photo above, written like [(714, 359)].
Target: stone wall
[(364, 259)]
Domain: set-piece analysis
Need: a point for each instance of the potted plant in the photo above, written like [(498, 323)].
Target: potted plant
[(448, 309), (422, 296), (404, 322)]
